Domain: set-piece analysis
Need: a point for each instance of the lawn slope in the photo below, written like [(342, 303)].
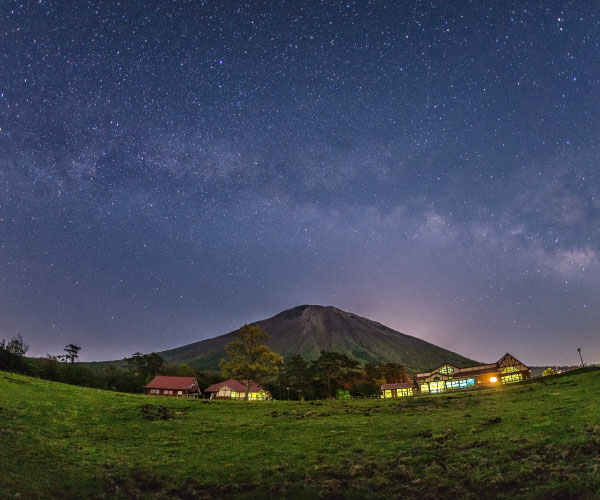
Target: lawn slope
[(538, 440)]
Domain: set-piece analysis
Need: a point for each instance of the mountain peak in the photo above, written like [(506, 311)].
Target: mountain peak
[(308, 330), (307, 309)]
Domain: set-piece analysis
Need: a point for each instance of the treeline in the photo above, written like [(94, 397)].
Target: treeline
[(138, 371), (333, 374)]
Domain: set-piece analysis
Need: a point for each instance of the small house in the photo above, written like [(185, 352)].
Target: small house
[(398, 390), (178, 387), (236, 389)]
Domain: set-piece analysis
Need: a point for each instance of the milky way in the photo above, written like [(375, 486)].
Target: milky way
[(172, 169)]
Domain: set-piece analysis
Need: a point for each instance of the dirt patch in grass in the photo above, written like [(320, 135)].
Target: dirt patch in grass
[(298, 415), (160, 412), (13, 380)]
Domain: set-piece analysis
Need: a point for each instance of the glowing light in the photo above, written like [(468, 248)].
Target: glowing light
[(493, 379)]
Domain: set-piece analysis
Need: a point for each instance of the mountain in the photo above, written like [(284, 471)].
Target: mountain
[(309, 329)]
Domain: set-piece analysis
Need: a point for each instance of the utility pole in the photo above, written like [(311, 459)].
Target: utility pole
[(580, 356)]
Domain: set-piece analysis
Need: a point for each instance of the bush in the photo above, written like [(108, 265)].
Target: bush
[(342, 394)]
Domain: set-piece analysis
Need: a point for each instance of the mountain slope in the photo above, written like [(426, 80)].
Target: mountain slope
[(309, 329)]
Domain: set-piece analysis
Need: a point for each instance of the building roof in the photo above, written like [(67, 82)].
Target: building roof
[(235, 385), (175, 383), (404, 385), (472, 370)]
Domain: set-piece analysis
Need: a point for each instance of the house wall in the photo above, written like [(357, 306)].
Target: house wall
[(398, 393), (490, 379), (167, 392), (227, 393)]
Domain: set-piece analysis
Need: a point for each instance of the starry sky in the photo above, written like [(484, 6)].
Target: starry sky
[(172, 169)]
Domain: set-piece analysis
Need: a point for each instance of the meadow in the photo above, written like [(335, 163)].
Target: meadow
[(535, 440)]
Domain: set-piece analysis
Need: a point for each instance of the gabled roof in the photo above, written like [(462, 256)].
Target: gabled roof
[(506, 360), (174, 383), (235, 385), (403, 385)]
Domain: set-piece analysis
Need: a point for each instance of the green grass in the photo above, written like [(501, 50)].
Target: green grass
[(538, 440)]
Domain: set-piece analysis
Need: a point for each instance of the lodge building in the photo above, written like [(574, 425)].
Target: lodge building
[(447, 377), (178, 387)]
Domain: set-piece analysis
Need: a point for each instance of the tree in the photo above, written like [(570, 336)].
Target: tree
[(182, 370), (16, 346), (72, 352), (249, 358), (331, 367), (394, 373), (136, 364), (548, 371), (295, 375), (12, 355), (154, 364), (145, 365)]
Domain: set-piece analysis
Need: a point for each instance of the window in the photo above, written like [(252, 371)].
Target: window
[(447, 369), (460, 383), (435, 387), (404, 392), (154, 391), (513, 377), (425, 387), (509, 369), (387, 393), (179, 393)]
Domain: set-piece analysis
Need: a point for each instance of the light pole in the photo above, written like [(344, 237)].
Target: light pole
[(580, 356)]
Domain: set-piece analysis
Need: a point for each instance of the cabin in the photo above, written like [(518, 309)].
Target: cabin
[(236, 389), (177, 387), (399, 390), (506, 370)]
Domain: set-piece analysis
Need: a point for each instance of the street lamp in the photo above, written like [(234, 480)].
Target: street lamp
[(580, 356)]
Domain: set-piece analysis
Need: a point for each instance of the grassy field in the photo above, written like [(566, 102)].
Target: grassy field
[(539, 440)]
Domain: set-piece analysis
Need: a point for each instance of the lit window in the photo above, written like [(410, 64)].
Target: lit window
[(435, 387), (493, 379), (463, 383), (514, 377)]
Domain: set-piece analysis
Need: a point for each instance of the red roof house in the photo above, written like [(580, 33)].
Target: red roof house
[(182, 387), (236, 389)]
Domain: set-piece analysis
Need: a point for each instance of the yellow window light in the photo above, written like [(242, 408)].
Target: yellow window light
[(493, 379)]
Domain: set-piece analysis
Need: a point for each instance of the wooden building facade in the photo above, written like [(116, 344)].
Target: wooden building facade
[(399, 390), (236, 389), (177, 387), (506, 370)]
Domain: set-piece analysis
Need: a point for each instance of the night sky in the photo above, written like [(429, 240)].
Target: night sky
[(170, 170)]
